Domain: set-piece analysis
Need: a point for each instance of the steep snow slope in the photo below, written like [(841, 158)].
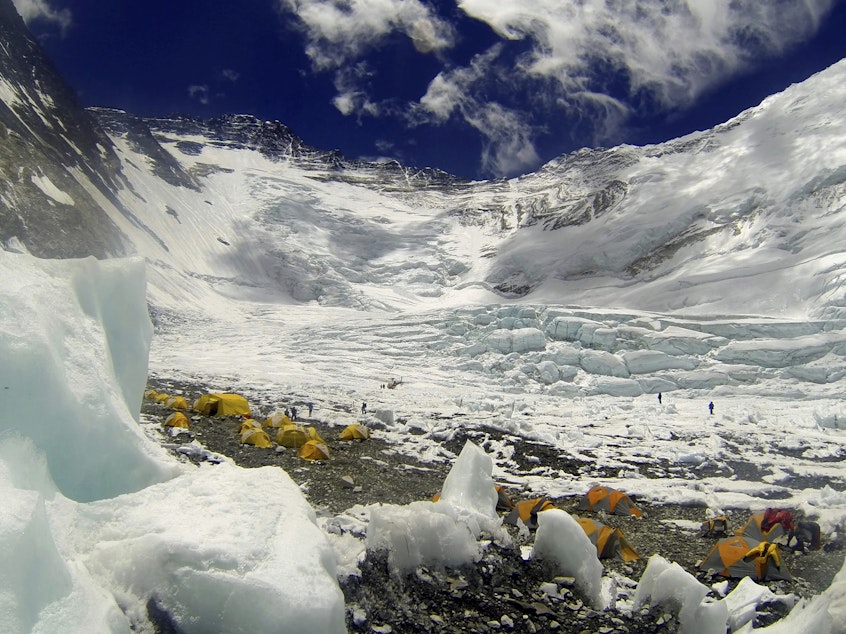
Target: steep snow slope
[(746, 218)]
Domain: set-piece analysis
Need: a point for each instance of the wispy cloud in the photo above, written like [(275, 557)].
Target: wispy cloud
[(342, 30), (230, 75), (352, 97), (31, 10), (507, 136), (200, 93), (666, 52), (590, 66)]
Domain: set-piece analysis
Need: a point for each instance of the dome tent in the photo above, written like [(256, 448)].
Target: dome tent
[(255, 436), (609, 542), (314, 450), (177, 419), (601, 498), (527, 512), (741, 556), (291, 437), (222, 405), (277, 420), (176, 402), (356, 431), (768, 525)]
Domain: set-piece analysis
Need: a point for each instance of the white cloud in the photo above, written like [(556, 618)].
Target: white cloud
[(507, 137), (508, 147), (671, 51), (342, 30), (200, 93), (31, 10), (587, 68), (231, 75), (352, 97)]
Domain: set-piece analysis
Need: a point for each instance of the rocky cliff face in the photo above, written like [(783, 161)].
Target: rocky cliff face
[(58, 170)]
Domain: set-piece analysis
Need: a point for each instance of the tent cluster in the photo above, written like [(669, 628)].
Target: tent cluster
[(306, 440), (174, 402), (609, 542), (278, 427), (754, 550)]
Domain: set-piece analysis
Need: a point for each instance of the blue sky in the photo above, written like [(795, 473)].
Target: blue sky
[(479, 88)]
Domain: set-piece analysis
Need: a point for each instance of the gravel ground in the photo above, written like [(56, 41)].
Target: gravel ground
[(502, 592)]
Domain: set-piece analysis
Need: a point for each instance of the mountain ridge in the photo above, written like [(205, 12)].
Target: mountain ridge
[(759, 197)]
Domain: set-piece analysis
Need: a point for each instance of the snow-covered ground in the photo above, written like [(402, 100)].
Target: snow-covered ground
[(117, 525), (279, 280)]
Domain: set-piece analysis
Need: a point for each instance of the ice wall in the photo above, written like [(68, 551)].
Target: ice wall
[(97, 522), (74, 339)]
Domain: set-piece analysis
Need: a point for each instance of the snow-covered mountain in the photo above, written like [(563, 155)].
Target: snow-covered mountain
[(745, 218), (549, 309)]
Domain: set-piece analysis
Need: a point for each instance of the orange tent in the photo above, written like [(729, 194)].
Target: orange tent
[(609, 542), (527, 511), (768, 525), (503, 502), (601, 498), (739, 556)]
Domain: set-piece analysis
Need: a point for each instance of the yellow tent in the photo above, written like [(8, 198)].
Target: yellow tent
[(313, 450), (177, 419), (161, 398), (291, 437), (255, 436), (222, 405), (151, 394), (249, 423), (176, 402), (277, 419), (313, 435), (356, 431)]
